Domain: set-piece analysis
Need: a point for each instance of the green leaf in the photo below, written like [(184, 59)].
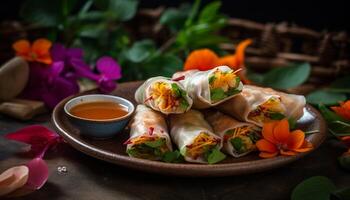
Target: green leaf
[(324, 97), (46, 13), (132, 152), (122, 10), (215, 156), (156, 143), (193, 13), (317, 187), (276, 116), (172, 157), (209, 12), (237, 143), (287, 77), (140, 51), (292, 123), (175, 18), (329, 115), (255, 77), (162, 65), (217, 94)]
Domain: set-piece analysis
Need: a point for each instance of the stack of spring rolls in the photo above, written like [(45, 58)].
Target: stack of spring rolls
[(175, 112)]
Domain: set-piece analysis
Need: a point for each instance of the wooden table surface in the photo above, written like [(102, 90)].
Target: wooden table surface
[(88, 178)]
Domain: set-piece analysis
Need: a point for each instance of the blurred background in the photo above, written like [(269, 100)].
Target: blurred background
[(305, 43)]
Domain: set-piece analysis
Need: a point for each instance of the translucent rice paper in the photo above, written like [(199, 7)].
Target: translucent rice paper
[(252, 96), (186, 127), (222, 123), (143, 93), (197, 86), (146, 119)]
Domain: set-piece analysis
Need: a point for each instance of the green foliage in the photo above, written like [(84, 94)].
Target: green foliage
[(47, 13), (336, 124), (284, 77), (337, 91), (317, 187), (320, 188), (325, 97), (98, 28), (198, 30)]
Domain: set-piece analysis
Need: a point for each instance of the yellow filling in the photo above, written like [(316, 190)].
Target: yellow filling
[(164, 96), (272, 109), (223, 80), (201, 144)]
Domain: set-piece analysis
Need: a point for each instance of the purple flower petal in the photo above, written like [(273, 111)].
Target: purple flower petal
[(75, 53), (58, 52), (83, 70), (62, 88), (109, 67), (107, 86), (38, 173), (55, 70)]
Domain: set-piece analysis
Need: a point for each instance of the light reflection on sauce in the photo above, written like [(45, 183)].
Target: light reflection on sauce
[(99, 110)]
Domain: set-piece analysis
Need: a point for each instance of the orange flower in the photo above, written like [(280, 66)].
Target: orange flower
[(343, 110), (202, 59), (277, 139), (205, 59), (38, 52), (236, 61)]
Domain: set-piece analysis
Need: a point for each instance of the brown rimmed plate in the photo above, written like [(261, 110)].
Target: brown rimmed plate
[(112, 150)]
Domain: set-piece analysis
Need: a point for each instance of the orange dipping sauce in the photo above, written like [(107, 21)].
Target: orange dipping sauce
[(99, 110)]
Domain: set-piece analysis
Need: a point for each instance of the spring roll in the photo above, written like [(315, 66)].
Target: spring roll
[(195, 138), (149, 137), (258, 105), (163, 95), (212, 87), (238, 138)]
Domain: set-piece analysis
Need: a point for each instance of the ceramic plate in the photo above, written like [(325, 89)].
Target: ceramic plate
[(112, 150)]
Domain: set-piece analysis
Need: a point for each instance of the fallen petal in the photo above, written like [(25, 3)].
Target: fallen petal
[(13, 178), (36, 135), (38, 173)]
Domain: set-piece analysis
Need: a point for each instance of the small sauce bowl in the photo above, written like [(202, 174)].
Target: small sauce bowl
[(101, 128)]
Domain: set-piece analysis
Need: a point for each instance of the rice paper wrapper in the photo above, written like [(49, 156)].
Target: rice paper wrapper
[(186, 127), (145, 119), (253, 96), (197, 86), (143, 93), (222, 123)]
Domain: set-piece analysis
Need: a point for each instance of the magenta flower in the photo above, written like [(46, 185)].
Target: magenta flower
[(49, 84), (109, 71)]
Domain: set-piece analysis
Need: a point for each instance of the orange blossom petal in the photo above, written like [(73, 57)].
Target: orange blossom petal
[(267, 131), (240, 52), (202, 59), (287, 153), (41, 47), (22, 47), (296, 139), (266, 146), (281, 131)]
